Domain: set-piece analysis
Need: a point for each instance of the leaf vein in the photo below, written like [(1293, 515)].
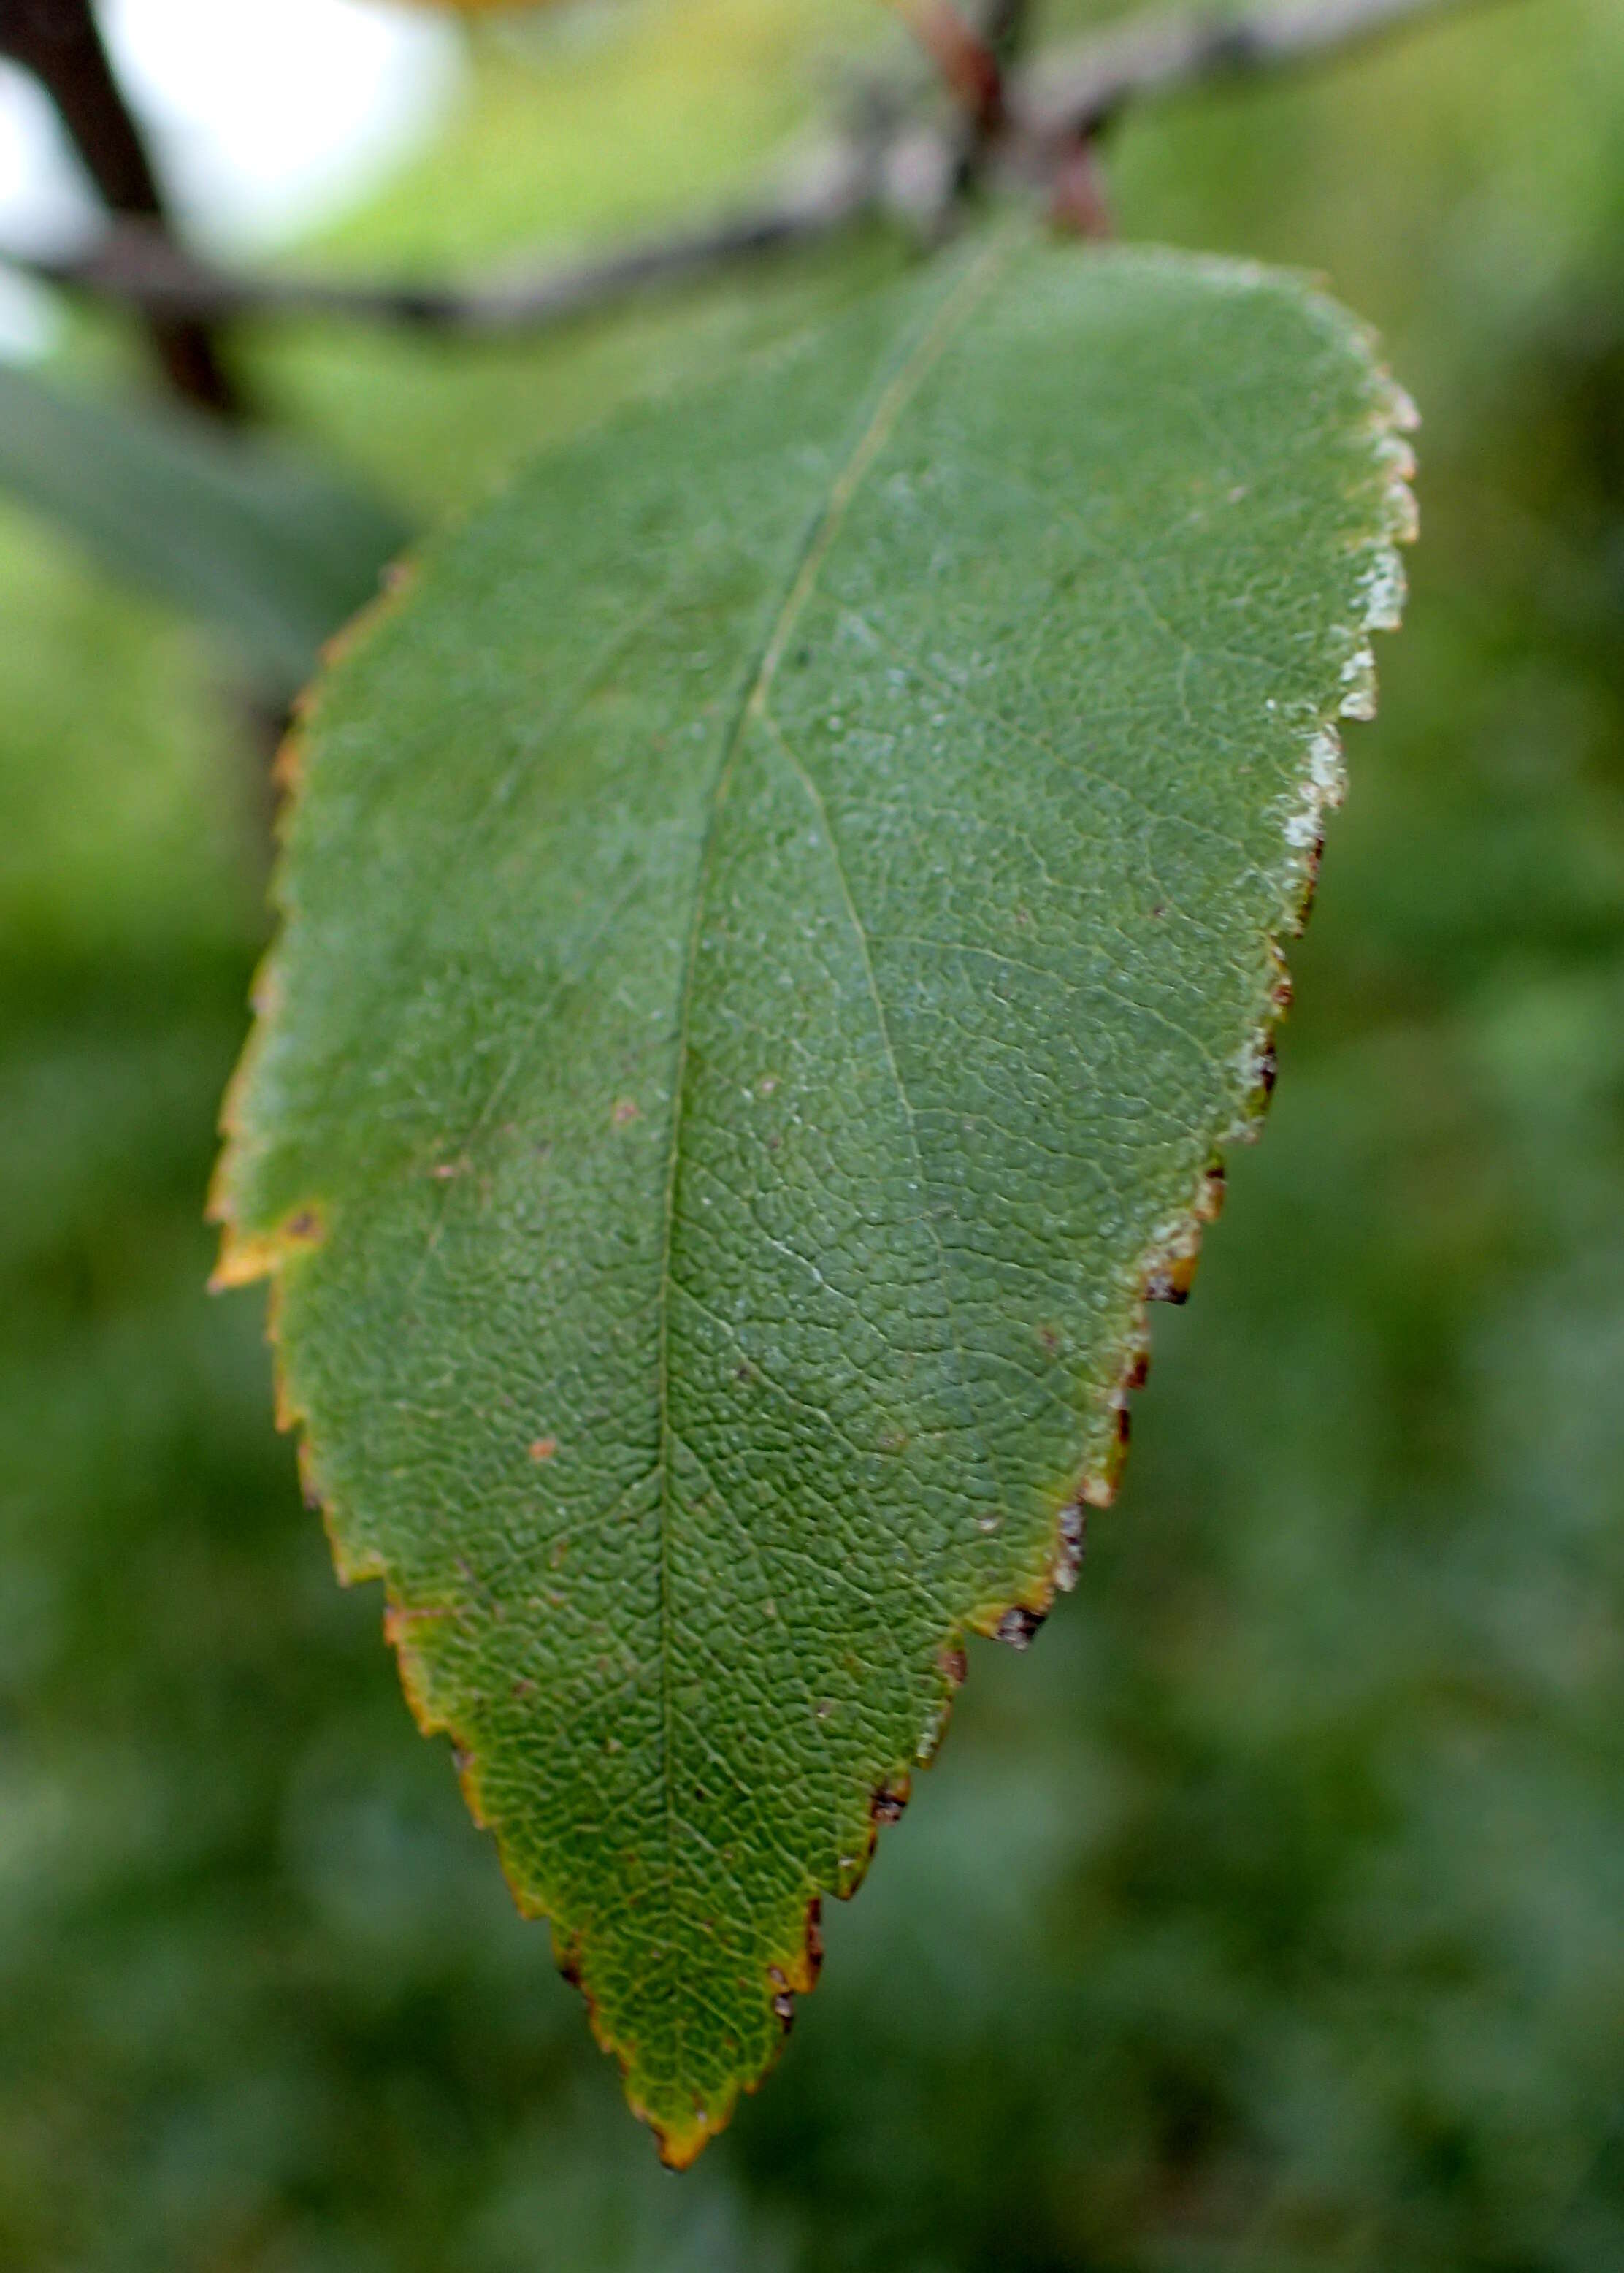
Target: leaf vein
[(949, 318)]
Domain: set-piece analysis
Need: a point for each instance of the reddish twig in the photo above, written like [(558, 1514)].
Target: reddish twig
[(139, 267), (1050, 110), (1078, 202), (969, 64)]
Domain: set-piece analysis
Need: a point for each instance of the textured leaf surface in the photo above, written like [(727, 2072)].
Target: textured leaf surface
[(778, 923)]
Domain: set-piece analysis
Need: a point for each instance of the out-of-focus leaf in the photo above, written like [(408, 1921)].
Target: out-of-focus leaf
[(270, 549), (779, 923)]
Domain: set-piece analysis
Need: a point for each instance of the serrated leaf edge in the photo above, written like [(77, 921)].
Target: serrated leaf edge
[(1164, 1271)]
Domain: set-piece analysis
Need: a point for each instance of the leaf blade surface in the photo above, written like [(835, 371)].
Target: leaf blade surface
[(775, 932)]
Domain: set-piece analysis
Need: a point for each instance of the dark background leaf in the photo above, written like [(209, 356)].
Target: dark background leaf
[(257, 540)]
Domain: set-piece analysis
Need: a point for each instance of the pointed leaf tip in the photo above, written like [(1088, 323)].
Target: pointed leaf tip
[(779, 922)]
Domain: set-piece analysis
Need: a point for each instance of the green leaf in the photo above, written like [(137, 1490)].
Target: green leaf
[(258, 541), (778, 923)]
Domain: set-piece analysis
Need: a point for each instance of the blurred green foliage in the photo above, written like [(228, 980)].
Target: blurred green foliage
[(252, 537), (1266, 1918)]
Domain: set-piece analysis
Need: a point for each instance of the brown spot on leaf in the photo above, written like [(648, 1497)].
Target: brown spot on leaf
[(1170, 1279), (543, 1448), (1018, 1624), (801, 1973), (624, 1110), (1074, 1535), (889, 1802), (244, 1257), (399, 1618)]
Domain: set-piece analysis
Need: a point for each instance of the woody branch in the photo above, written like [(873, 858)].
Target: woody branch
[(1029, 121)]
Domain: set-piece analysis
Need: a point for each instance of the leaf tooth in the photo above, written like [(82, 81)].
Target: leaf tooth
[(1073, 1533), (1018, 1624), (890, 1799), (682, 2137)]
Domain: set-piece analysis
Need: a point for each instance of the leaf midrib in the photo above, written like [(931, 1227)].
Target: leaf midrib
[(819, 540)]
